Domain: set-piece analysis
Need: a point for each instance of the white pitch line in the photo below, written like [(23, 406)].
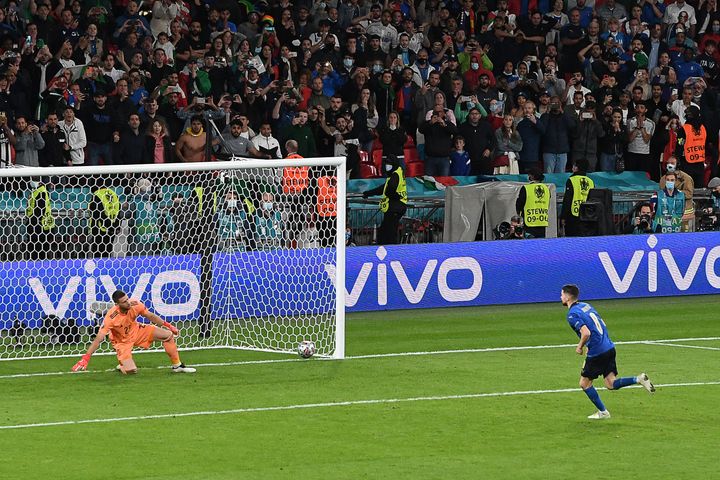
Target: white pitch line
[(680, 345), (371, 356), (348, 403)]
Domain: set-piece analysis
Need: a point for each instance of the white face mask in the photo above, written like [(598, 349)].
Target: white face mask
[(268, 205), (388, 167), (232, 203)]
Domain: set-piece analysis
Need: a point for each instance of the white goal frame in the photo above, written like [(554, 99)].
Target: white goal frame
[(338, 164)]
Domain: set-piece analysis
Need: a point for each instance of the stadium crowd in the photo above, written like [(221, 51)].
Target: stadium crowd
[(462, 87)]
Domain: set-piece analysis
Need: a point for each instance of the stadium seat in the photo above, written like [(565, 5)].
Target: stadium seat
[(409, 143), (377, 159), (368, 170), (415, 169), (376, 145), (364, 156), (411, 156)]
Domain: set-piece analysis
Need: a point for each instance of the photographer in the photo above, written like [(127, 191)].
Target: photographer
[(513, 230), (708, 221), (642, 223), (28, 142)]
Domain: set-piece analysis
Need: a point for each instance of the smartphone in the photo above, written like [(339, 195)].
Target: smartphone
[(674, 91), (200, 100), (28, 40), (532, 58), (586, 115)]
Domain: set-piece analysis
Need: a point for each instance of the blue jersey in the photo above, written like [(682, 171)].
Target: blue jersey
[(584, 314)]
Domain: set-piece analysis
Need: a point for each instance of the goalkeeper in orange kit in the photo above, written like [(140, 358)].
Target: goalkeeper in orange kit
[(125, 333)]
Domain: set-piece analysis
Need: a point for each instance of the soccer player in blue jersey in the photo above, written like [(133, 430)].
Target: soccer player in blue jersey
[(591, 329)]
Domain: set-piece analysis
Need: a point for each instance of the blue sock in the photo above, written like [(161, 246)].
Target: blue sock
[(624, 382), (595, 398)]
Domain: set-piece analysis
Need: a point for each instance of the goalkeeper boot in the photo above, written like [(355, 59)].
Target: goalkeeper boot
[(182, 369), (643, 380), (599, 415)]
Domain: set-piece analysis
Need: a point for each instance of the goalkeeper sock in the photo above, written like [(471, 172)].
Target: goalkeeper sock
[(595, 398), (172, 351), (624, 382)]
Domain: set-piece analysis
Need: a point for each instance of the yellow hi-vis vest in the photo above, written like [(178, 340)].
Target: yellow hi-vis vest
[(537, 205), (581, 187), (401, 190), (47, 221), (111, 206), (200, 191)]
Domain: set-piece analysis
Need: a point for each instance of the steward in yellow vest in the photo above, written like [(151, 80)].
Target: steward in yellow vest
[(577, 188), (533, 204), (40, 225), (103, 221), (393, 202)]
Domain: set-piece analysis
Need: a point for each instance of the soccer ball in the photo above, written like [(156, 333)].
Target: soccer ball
[(306, 349)]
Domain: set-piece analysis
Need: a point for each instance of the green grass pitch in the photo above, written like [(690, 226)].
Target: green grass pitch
[(386, 417)]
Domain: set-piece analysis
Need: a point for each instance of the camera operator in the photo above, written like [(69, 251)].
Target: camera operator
[(642, 223), (514, 230), (708, 220)]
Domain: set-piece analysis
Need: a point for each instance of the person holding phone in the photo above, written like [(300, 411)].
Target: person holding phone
[(28, 142)]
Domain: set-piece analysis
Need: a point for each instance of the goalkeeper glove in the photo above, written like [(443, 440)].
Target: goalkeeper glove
[(170, 327), (82, 364)]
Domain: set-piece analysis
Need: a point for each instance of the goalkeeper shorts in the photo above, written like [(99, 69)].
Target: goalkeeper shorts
[(143, 338)]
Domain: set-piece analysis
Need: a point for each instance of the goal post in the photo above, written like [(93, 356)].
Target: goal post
[(244, 254)]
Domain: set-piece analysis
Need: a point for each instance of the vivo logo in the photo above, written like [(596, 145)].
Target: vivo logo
[(682, 281), (144, 280), (434, 270)]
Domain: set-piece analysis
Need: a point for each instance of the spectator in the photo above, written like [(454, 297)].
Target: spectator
[(237, 144), (265, 143), (192, 144), (459, 158), (76, 140), (612, 145), (392, 135), (586, 135), (530, 135), (438, 132), (100, 122), (301, 133), (508, 144), (28, 142), (130, 143), (640, 131), (158, 148), (54, 153), (479, 139), (556, 128)]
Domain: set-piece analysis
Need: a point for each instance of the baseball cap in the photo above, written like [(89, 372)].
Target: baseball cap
[(544, 92), (714, 182), (374, 37)]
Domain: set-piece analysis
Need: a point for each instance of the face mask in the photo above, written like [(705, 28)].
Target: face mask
[(388, 167), (232, 203), (670, 185), (422, 61), (671, 167), (268, 205), (475, 66), (377, 68), (348, 62)]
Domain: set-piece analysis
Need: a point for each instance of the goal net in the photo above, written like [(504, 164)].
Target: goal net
[(244, 254)]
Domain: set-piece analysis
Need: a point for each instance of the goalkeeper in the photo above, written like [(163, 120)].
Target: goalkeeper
[(125, 333)]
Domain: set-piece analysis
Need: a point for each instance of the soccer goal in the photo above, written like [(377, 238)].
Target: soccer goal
[(245, 254)]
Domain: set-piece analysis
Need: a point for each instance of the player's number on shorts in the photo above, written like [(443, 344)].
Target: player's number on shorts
[(598, 322)]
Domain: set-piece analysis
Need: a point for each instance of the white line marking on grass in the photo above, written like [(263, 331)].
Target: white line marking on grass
[(377, 355), (680, 345), (349, 403)]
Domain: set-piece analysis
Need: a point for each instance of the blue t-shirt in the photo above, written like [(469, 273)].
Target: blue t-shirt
[(459, 163), (581, 314)]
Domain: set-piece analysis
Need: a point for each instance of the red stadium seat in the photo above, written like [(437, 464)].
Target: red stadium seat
[(376, 145), (415, 169), (368, 170), (377, 159), (364, 156), (409, 143), (411, 155)]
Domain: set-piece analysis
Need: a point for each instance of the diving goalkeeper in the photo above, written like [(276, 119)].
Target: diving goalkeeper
[(125, 333)]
